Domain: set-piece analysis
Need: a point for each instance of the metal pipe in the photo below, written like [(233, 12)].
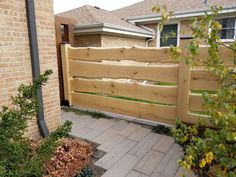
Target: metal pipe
[(32, 31)]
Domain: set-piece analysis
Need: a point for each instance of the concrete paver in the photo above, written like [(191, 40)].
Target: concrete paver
[(144, 146), (132, 150), (149, 162), (135, 174), (164, 144), (117, 153), (122, 167)]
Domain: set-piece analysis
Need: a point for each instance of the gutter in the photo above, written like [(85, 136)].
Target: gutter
[(32, 32), (179, 14), (109, 28)]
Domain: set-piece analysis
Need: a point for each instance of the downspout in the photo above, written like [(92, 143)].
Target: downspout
[(149, 40), (34, 53)]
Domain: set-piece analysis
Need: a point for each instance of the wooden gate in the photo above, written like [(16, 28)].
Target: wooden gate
[(152, 86)]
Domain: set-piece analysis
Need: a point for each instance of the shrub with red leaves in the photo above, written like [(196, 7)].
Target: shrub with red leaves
[(69, 158)]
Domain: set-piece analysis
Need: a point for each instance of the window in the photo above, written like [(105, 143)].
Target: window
[(228, 28), (169, 35)]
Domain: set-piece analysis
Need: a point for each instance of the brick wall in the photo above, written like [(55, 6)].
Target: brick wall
[(15, 63), (88, 40), (154, 26), (116, 41), (98, 40)]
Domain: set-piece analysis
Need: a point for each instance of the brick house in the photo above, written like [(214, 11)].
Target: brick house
[(138, 25), (97, 27), (15, 56)]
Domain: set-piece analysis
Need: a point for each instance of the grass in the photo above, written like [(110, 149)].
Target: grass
[(165, 84), (139, 100), (199, 112), (203, 91), (93, 114), (127, 98)]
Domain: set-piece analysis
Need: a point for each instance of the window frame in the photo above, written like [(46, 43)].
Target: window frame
[(229, 40), (159, 33)]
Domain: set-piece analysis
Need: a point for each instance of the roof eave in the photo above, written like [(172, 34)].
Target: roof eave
[(177, 15), (105, 28)]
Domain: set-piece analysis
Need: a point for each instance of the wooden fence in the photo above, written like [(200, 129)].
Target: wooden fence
[(167, 94)]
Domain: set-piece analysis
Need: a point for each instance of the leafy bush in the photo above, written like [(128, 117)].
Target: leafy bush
[(210, 151), (20, 156)]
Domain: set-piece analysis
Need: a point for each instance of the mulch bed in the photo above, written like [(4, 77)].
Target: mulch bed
[(70, 157)]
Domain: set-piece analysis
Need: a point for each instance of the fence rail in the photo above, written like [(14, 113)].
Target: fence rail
[(167, 93)]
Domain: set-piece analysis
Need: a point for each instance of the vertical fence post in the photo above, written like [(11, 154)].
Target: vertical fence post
[(183, 91), (65, 71)]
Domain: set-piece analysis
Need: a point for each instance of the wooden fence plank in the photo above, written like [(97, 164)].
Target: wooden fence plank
[(159, 113), (121, 53), (196, 102), (193, 118), (66, 70), (163, 94), (226, 55), (162, 73), (183, 91), (203, 80)]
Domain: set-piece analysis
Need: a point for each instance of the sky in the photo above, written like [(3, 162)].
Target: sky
[(64, 5)]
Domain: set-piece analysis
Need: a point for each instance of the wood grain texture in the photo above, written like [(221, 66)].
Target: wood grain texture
[(162, 73), (194, 118), (159, 113), (203, 80), (163, 94), (66, 70), (135, 53), (225, 53), (183, 91), (196, 102)]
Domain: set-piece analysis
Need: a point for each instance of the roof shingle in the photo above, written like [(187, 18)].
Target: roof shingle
[(144, 8), (88, 15)]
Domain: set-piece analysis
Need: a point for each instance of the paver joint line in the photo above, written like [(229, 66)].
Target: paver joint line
[(132, 150)]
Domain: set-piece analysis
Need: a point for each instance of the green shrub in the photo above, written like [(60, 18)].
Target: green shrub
[(210, 151), (20, 156)]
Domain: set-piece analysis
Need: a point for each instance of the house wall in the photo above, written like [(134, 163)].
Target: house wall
[(154, 26), (15, 62), (92, 40), (185, 30), (117, 41)]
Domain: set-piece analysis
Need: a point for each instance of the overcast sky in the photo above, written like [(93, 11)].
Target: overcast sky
[(64, 5)]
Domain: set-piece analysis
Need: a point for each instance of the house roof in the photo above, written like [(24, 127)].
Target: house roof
[(91, 17), (144, 8)]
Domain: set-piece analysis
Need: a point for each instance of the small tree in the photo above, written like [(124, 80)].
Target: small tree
[(209, 151), (18, 156)]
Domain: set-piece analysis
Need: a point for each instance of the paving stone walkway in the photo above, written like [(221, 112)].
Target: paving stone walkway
[(132, 150)]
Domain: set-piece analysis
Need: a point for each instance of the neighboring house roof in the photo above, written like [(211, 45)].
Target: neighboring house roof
[(144, 8), (93, 19)]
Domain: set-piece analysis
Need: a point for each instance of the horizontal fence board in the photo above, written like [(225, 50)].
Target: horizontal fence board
[(162, 73), (144, 54), (159, 113), (226, 55), (163, 94), (203, 80), (194, 118), (196, 102)]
